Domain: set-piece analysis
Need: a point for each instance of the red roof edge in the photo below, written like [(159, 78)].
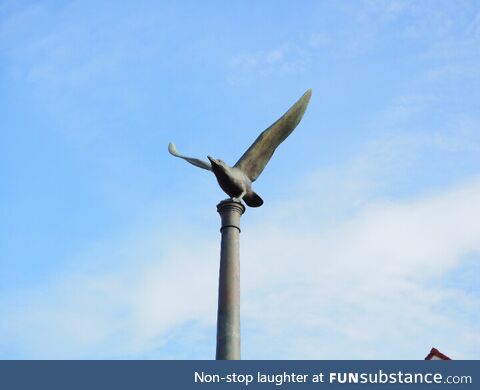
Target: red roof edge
[(437, 353)]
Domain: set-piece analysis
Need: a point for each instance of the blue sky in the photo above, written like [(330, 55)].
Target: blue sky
[(368, 243)]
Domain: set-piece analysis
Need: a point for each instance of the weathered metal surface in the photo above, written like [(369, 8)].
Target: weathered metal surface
[(237, 181), (228, 315)]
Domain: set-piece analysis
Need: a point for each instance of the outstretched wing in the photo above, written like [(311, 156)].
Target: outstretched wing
[(195, 161), (257, 156)]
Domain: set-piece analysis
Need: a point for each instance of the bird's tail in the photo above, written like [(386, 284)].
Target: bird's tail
[(252, 199)]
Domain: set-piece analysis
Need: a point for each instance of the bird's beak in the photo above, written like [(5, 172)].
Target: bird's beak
[(212, 160)]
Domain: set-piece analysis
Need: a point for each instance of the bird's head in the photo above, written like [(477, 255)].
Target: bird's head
[(218, 165)]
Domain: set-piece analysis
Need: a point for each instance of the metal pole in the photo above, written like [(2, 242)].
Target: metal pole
[(228, 315)]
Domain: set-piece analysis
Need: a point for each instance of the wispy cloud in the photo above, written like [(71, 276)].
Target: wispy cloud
[(371, 280), (289, 58), (371, 284), (284, 59), (373, 257)]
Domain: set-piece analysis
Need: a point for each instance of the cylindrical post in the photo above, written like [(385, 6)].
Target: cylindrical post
[(228, 315)]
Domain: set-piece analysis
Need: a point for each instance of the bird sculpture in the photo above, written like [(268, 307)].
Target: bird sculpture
[(237, 181)]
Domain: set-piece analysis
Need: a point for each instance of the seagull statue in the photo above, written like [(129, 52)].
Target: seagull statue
[(237, 181)]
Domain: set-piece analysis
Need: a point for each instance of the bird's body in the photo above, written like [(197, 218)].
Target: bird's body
[(237, 181)]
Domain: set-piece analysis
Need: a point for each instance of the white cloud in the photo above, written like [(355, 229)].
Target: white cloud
[(371, 283), (289, 58), (285, 59)]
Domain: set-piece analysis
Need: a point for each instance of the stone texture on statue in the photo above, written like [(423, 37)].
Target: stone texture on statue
[(228, 316)]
